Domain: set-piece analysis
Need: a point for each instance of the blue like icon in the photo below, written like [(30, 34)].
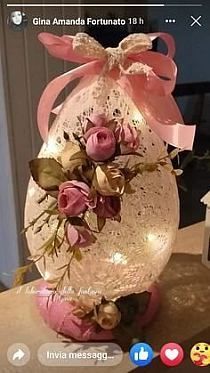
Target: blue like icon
[(141, 354)]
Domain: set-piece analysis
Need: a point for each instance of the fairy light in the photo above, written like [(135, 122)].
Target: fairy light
[(47, 275), (118, 258), (151, 237), (31, 191), (137, 117), (51, 146), (157, 241)]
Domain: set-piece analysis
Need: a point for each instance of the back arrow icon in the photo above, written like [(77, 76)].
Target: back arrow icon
[(19, 354)]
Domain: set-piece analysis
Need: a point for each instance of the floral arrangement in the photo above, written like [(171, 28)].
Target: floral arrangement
[(88, 176)]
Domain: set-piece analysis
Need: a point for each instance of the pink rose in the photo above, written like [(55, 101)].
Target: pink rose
[(95, 120), (128, 138), (101, 143), (107, 207), (98, 120), (74, 198), (79, 236)]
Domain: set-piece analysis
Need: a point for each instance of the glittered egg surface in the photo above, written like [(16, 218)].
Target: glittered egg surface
[(128, 256)]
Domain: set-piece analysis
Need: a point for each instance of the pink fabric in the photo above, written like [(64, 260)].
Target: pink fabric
[(58, 315), (152, 93), (168, 40), (153, 307)]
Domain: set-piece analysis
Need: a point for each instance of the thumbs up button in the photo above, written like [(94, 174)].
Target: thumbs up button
[(141, 354)]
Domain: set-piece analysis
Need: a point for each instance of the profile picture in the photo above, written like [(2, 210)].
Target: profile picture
[(17, 20)]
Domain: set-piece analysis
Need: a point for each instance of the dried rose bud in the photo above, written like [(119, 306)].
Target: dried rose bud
[(108, 316), (79, 312), (100, 143), (79, 236), (107, 207), (128, 138), (74, 197), (109, 180)]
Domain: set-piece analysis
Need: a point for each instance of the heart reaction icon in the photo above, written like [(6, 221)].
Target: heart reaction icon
[(172, 354)]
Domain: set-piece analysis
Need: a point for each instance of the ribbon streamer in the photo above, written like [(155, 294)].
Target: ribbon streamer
[(148, 77)]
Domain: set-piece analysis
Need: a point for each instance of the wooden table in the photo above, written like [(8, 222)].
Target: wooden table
[(184, 316)]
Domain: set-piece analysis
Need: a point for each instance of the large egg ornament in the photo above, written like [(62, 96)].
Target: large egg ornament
[(127, 256)]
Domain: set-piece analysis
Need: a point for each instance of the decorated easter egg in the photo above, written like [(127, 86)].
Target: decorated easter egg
[(133, 239)]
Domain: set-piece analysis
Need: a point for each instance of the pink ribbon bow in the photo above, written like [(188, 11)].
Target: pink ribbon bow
[(148, 77)]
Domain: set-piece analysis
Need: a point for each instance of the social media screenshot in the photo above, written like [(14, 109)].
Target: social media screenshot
[(104, 186)]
